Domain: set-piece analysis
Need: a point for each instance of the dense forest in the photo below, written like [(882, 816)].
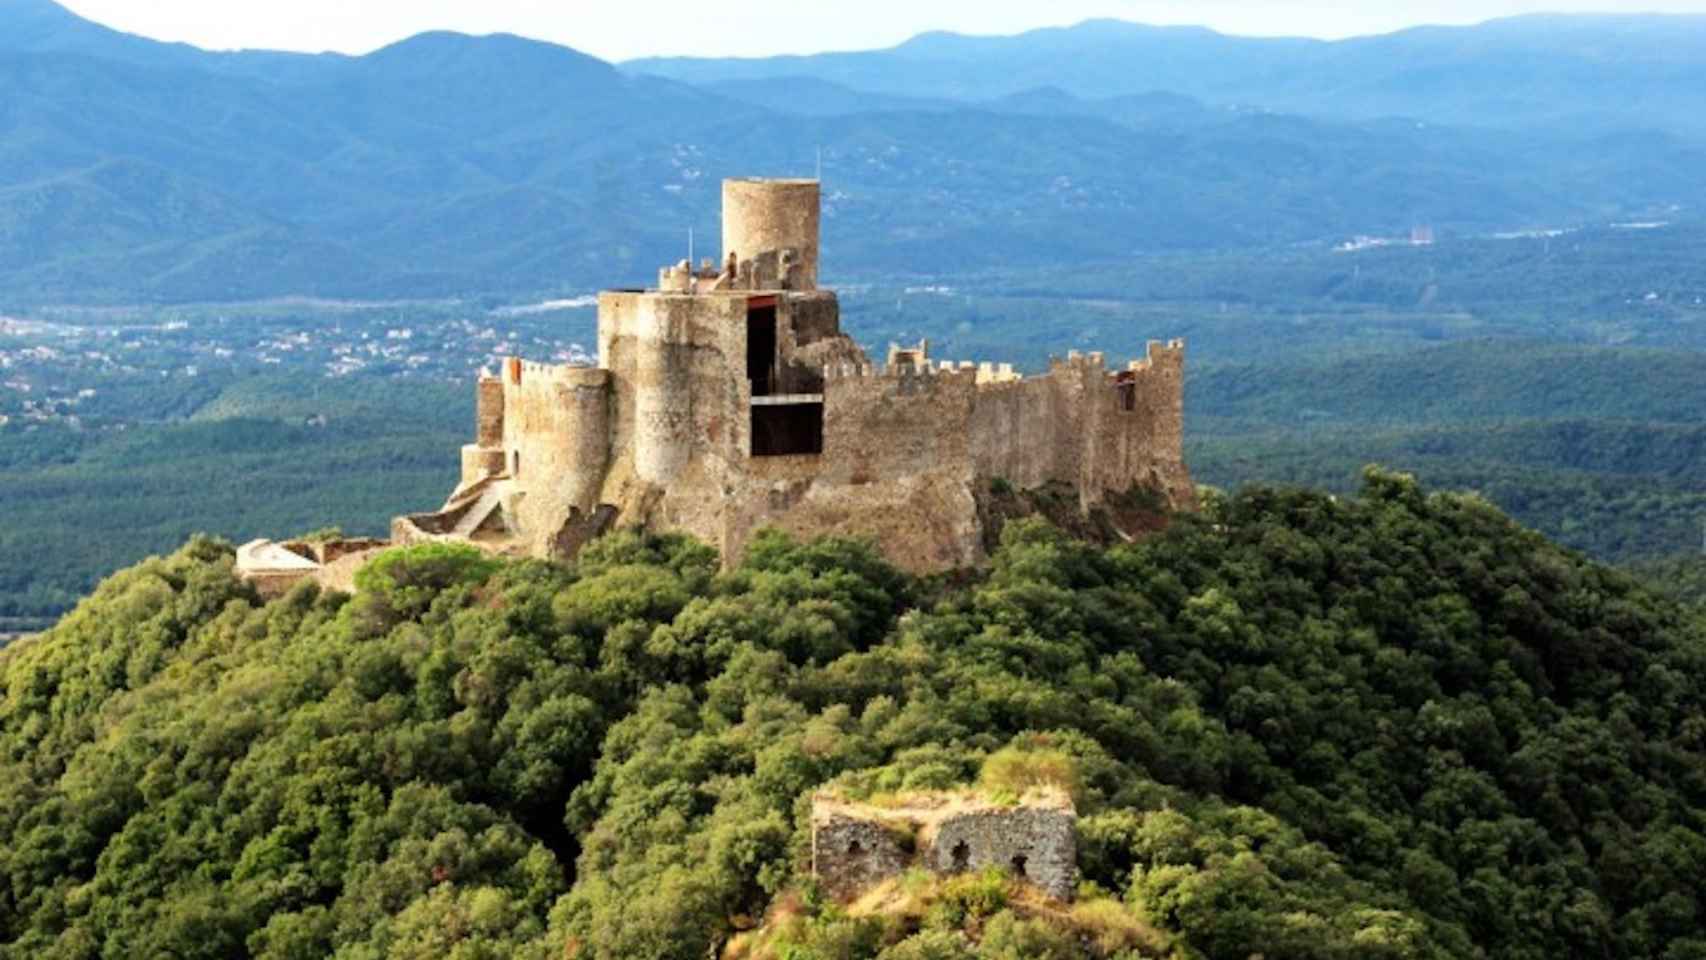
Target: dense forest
[(81, 504), (1296, 725)]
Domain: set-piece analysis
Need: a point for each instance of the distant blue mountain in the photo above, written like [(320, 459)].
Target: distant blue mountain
[(1539, 71), (446, 164)]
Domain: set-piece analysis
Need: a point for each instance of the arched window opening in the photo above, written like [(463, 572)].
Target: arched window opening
[(855, 849), (962, 857), (1019, 864)]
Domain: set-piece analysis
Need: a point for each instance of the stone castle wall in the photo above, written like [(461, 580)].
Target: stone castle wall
[(663, 435)]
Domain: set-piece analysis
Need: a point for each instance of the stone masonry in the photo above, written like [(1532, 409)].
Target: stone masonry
[(727, 399), (857, 846)]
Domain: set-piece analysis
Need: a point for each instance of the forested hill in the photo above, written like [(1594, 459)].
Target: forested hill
[(1388, 726)]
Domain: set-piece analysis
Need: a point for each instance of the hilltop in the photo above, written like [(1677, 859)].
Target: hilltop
[(1392, 725)]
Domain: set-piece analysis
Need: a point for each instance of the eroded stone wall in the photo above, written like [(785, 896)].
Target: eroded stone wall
[(852, 854), (1035, 844), (857, 846)]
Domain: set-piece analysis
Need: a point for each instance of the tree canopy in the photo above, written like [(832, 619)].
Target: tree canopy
[(1299, 726)]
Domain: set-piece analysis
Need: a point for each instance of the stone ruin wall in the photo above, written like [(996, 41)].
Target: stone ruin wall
[(852, 854), (854, 847), (1036, 844)]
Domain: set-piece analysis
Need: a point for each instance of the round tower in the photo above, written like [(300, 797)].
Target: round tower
[(585, 401), (764, 216)]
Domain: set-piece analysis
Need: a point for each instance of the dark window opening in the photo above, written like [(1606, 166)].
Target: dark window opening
[(1019, 863), (962, 857), (787, 430), (1127, 387), (855, 849), (761, 349), (515, 464)]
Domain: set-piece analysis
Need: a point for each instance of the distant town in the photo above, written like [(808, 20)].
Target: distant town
[(87, 371)]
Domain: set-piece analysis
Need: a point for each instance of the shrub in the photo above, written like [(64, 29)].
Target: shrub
[(1015, 772), (409, 578)]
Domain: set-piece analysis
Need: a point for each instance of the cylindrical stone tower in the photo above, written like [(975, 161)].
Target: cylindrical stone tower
[(663, 394), (585, 398), (760, 216)]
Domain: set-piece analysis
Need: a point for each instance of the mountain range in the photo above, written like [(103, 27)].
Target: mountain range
[(1538, 71), (137, 171)]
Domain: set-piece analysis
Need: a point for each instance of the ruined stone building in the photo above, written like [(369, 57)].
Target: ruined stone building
[(857, 846), (728, 399)]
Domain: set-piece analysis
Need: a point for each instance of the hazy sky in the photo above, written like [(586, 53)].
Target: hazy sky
[(618, 29)]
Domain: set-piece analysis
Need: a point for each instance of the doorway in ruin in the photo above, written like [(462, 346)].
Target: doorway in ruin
[(962, 857), (761, 345)]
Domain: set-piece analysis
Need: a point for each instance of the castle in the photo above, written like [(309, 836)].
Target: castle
[(727, 399)]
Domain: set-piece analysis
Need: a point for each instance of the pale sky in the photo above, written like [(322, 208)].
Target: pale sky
[(620, 29)]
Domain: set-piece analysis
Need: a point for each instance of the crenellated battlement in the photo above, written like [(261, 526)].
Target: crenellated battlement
[(897, 372), (526, 373), (997, 376)]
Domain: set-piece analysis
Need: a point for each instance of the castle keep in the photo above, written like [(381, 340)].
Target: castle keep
[(727, 399)]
